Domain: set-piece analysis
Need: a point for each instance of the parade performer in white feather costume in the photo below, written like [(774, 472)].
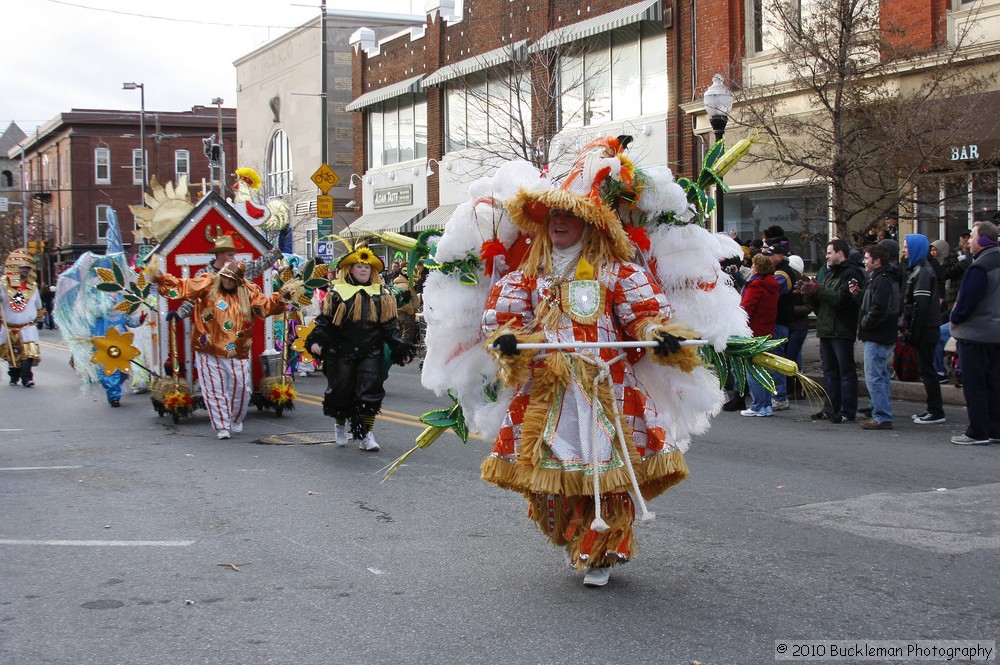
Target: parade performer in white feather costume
[(587, 435)]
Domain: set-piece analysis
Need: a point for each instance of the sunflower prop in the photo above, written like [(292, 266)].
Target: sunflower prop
[(114, 351)]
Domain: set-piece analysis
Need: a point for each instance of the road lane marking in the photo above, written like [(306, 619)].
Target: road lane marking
[(37, 468), (401, 418), (100, 543)]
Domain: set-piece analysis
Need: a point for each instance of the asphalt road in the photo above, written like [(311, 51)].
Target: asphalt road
[(125, 538)]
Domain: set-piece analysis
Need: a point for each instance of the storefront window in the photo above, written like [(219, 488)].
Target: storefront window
[(949, 204), (802, 212)]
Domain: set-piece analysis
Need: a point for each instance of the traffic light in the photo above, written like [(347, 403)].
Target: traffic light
[(36, 246), (212, 149)]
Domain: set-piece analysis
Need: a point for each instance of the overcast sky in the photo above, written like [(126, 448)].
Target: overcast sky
[(64, 54)]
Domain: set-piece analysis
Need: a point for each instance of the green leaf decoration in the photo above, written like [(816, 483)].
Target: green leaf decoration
[(119, 276), (109, 287), (763, 377)]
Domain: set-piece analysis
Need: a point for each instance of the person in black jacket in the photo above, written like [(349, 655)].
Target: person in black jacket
[(358, 319), (877, 328), (922, 322)]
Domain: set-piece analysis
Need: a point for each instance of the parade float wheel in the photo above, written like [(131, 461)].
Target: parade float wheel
[(278, 410), (177, 417)]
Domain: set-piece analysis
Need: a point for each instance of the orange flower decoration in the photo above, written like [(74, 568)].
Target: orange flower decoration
[(300, 341), (114, 351)]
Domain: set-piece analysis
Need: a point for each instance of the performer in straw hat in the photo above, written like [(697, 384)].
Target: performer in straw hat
[(225, 304), (224, 248), (358, 319), (582, 439), (22, 308)]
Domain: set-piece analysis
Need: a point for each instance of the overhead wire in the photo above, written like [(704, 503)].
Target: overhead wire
[(168, 18)]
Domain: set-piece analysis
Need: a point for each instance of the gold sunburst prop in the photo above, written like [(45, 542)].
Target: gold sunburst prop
[(166, 205)]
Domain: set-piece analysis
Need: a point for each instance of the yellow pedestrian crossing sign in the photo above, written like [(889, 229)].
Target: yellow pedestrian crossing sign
[(324, 178)]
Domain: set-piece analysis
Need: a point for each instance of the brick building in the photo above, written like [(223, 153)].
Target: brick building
[(427, 100), (83, 163)]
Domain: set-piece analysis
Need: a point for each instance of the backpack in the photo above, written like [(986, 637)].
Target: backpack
[(904, 362)]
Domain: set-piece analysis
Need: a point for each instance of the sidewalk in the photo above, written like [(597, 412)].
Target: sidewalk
[(909, 391)]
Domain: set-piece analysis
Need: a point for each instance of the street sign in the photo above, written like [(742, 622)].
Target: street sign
[(325, 249), (324, 228), (324, 207), (4, 204), (324, 178)]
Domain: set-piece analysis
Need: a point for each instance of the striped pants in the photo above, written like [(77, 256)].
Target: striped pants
[(225, 387)]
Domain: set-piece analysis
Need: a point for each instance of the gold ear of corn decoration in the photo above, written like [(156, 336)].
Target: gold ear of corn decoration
[(398, 240), (814, 391), (776, 363), (730, 157)]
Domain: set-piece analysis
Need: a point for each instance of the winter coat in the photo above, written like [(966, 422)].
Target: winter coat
[(760, 302), (836, 308), (921, 295), (878, 320)]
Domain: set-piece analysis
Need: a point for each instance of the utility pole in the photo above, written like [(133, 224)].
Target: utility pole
[(323, 83), (222, 151)]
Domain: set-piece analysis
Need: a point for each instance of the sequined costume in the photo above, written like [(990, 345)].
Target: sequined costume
[(546, 445), (222, 325)]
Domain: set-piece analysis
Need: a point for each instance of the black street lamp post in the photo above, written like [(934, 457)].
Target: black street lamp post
[(718, 104)]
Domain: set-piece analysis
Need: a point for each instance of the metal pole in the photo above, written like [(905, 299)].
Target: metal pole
[(25, 197), (142, 139), (218, 101), (323, 87), (719, 128)]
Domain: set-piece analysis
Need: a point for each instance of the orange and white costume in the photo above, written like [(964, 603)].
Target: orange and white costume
[(581, 410)]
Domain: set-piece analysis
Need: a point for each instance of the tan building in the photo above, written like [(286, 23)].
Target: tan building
[(280, 100)]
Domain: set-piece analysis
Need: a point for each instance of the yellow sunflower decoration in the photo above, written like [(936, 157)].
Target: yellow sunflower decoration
[(114, 351), (301, 333)]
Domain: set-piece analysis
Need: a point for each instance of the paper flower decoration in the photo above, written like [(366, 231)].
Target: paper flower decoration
[(300, 341), (114, 351)]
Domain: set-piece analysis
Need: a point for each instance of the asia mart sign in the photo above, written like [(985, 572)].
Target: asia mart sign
[(393, 197)]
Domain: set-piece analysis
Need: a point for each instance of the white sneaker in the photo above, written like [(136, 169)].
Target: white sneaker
[(780, 405), (237, 427), (340, 435), (597, 576), (368, 443), (223, 434)]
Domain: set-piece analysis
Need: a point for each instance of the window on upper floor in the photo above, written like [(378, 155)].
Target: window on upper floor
[(615, 75), (6, 179), (397, 130), (102, 223), (279, 176), (182, 164), (488, 108), (769, 22), (137, 167), (102, 166)]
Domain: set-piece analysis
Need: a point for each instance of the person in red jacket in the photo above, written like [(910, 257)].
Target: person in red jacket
[(760, 302)]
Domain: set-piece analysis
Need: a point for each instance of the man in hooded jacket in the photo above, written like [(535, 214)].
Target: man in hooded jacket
[(922, 322)]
